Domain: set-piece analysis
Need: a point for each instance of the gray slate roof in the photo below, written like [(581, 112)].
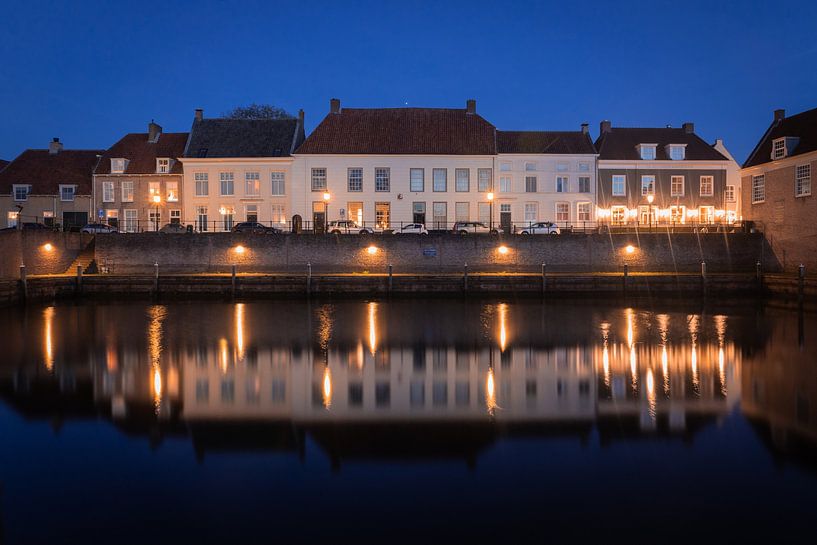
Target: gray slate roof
[(621, 142), (569, 142), (802, 126), (244, 137)]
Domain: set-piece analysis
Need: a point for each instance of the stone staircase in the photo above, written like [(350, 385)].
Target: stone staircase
[(86, 259)]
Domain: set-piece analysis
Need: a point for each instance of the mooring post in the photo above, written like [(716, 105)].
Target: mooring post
[(465, 277), (79, 279), (544, 278), (233, 280), (759, 276), (801, 279), (308, 278), (703, 276), (626, 274), (390, 277), (156, 278), (23, 282)]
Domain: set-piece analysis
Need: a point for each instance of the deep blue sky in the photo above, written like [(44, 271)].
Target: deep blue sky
[(89, 72)]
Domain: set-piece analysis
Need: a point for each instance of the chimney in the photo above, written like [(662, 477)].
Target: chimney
[(334, 106), (199, 114), (605, 126), (719, 142), (55, 146), (154, 131), (470, 106), (301, 116), (585, 128), (780, 114), (688, 127)]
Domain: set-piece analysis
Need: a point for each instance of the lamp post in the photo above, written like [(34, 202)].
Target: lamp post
[(650, 198), (491, 210), (326, 197), (156, 200)]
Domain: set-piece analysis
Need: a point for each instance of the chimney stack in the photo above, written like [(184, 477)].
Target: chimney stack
[(301, 116), (55, 146), (154, 131), (780, 114), (334, 106), (199, 114), (688, 127), (605, 126), (585, 128), (470, 106)]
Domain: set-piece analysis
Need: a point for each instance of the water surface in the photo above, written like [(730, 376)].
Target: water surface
[(406, 420)]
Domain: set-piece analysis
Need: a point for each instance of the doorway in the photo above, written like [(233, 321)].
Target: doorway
[(319, 217), (505, 218)]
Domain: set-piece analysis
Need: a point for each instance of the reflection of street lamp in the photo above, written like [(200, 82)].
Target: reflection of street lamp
[(650, 198), (491, 210), (156, 200), (326, 197)]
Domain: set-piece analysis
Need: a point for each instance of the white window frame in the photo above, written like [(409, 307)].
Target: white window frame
[(73, 190), (119, 165), (778, 148), (108, 192), (485, 178), (202, 218), (649, 189), (162, 165), (562, 184), (172, 191), (672, 191), (278, 183), (417, 175), (462, 180), (584, 215), (710, 184), (202, 181), (382, 180), (729, 193), (758, 189), (127, 190), (584, 179), (354, 179), (462, 211), (26, 189), (130, 220), (318, 178), (443, 180), (12, 218), (645, 148), (226, 180), (802, 180), (252, 184), (505, 184), (565, 209), (531, 183), (622, 179), (681, 151), (531, 212), (176, 214)]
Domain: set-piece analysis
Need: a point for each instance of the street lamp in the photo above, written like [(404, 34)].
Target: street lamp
[(326, 197), (650, 198), (156, 200), (491, 210)]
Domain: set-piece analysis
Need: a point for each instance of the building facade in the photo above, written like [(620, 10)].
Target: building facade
[(238, 170), (384, 168), (51, 186), (777, 194), (661, 176), (138, 181)]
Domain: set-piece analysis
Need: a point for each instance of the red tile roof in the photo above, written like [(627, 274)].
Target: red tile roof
[(45, 172), (402, 131), (142, 155)]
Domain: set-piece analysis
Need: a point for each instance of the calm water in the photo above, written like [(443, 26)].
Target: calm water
[(431, 420)]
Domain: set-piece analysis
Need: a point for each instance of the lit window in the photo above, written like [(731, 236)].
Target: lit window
[(162, 166), (462, 180), (318, 179), (252, 184), (758, 188), (729, 193), (677, 186), (251, 212), (802, 181), (382, 180), (707, 186), (530, 184), (440, 179), (118, 166), (278, 213), (417, 180), (278, 180), (153, 189), (21, 192), (562, 211), (619, 185), (354, 179), (172, 191), (202, 184), (779, 148), (647, 185), (227, 180), (67, 192), (484, 176), (11, 219), (127, 191)]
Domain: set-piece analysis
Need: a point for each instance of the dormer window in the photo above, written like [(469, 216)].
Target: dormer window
[(118, 166), (647, 151), (21, 192), (676, 152), (779, 148), (163, 165)]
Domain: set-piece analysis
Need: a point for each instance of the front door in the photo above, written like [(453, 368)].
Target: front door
[(319, 217), (505, 221), (419, 213)]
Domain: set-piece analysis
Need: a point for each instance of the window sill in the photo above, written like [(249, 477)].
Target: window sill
[(802, 196)]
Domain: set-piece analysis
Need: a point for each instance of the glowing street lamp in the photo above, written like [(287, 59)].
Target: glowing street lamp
[(326, 197), (157, 199)]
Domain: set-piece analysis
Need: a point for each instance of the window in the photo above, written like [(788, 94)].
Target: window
[(707, 186), (172, 191), (758, 188), (227, 180), (677, 214), (561, 167), (111, 217), (530, 167), (440, 179), (439, 211), (462, 180), (484, 176), (382, 179), (67, 192), (584, 167), (154, 219), (417, 180), (583, 211), (11, 219), (619, 185), (278, 214), (461, 211), (278, 181), (530, 184), (618, 214), (176, 216), (382, 215), (318, 179), (227, 217), (202, 184), (505, 184), (677, 186), (647, 152), (354, 211), (118, 166), (162, 166), (153, 190), (251, 212), (127, 191), (21, 192), (131, 223), (706, 214), (647, 185), (354, 179), (561, 184), (676, 153), (531, 212), (484, 211), (562, 211), (584, 184), (779, 148), (201, 218), (252, 184), (504, 167), (418, 210), (729, 193), (802, 181)]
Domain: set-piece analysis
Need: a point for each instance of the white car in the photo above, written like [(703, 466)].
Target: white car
[(540, 228), (348, 227), (98, 228), (467, 227), (412, 229)]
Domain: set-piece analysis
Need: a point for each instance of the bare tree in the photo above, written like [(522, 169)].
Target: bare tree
[(258, 111)]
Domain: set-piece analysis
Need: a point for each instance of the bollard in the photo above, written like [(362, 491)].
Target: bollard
[(626, 274), (390, 277), (759, 277), (156, 278), (23, 282), (233, 281), (465, 277), (801, 279), (544, 278), (703, 277), (308, 278), (79, 279)]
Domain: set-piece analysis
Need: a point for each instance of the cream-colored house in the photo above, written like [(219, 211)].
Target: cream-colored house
[(238, 170)]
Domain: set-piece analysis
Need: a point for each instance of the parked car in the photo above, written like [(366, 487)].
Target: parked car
[(34, 226), (255, 227), (411, 229), (348, 227), (98, 228), (173, 228), (540, 228), (474, 227)]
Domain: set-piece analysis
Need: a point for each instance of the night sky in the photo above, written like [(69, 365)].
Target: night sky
[(90, 72)]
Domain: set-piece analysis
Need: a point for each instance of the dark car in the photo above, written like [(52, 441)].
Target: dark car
[(173, 228), (255, 227), (33, 226)]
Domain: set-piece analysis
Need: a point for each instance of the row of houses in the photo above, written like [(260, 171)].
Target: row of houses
[(388, 166)]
